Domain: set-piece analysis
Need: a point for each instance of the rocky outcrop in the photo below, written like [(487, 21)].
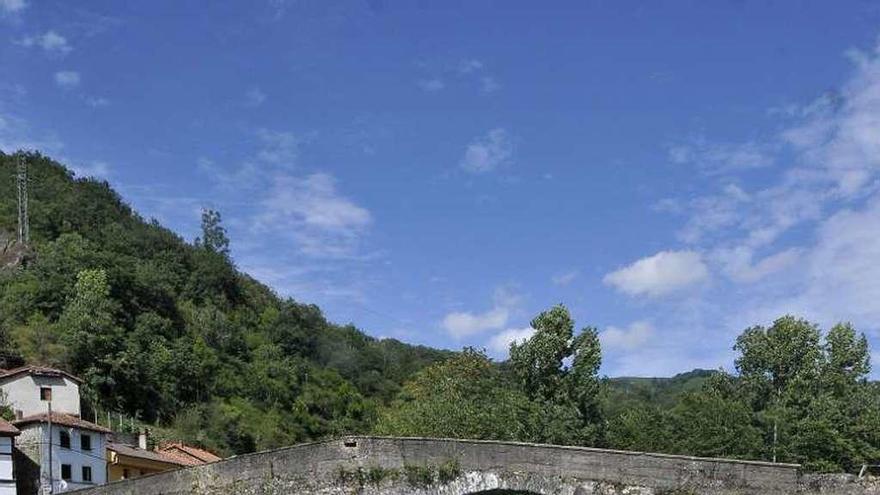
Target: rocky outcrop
[(12, 253)]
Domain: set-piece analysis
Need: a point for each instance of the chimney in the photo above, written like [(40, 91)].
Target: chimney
[(142, 439)]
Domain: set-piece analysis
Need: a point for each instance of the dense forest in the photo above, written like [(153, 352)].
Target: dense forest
[(170, 333)]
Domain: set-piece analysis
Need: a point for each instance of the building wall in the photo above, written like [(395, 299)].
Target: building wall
[(7, 473), (130, 468), (23, 394), (34, 442)]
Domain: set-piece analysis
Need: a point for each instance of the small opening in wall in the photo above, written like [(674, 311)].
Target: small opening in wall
[(350, 443)]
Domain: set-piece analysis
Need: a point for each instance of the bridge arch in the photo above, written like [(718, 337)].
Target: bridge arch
[(421, 466)]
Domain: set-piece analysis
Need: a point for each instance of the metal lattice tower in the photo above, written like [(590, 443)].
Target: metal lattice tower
[(23, 225)]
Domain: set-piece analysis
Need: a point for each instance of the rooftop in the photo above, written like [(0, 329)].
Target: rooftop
[(61, 419), (190, 456), (7, 429), (130, 451), (38, 371)]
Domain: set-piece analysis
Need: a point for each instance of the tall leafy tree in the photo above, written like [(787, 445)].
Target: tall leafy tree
[(539, 365), (214, 237)]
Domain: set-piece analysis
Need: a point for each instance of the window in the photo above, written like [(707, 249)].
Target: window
[(87, 473), (64, 439), (125, 474), (46, 393), (85, 442), (65, 472)]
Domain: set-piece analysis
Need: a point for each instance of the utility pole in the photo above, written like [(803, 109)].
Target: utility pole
[(23, 225), (51, 479)]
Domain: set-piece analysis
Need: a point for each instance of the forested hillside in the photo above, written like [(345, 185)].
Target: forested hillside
[(170, 332)]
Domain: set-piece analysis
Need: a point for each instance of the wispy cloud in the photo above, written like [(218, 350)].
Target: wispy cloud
[(431, 85), (487, 153), (97, 101), (489, 84), (802, 241), (254, 97), (50, 41), (720, 158), (12, 6), (321, 221), (629, 338), (67, 79), (565, 278), (94, 169), (661, 274), (278, 147), (470, 66), (500, 343)]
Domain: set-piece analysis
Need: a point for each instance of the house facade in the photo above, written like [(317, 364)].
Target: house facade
[(29, 389), (64, 452), (8, 432)]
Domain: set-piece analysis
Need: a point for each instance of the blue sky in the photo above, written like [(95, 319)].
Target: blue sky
[(439, 172)]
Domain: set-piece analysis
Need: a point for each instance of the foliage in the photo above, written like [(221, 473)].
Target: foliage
[(572, 393), (171, 333)]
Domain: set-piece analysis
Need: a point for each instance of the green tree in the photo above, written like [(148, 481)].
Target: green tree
[(465, 396), (214, 236), (539, 366)]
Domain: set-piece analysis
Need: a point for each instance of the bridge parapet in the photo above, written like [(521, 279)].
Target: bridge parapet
[(421, 466)]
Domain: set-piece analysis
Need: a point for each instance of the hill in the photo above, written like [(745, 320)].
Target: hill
[(665, 393), (170, 332)]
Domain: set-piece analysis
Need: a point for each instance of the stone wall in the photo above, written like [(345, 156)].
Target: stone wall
[(397, 466)]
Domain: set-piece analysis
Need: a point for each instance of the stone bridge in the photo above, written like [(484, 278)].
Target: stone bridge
[(421, 466)]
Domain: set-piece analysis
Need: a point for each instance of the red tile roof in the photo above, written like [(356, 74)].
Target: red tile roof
[(7, 430), (190, 456), (39, 371), (61, 419), (131, 451)]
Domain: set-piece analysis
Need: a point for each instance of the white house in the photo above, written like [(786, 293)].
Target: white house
[(29, 389), (67, 452), (60, 449), (7, 467)]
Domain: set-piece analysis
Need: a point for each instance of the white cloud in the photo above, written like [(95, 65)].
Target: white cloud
[(469, 66), (50, 41), (460, 324), (488, 153), (843, 281), (278, 147), (431, 85), (254, 97), (500, 343), (315, 201), (661, 274), (17, 134), (463, 324), (565, 278), (738, 264), (629, 338), (311, 211), (12, 6), (718, 158), (489, 84), (67, 78)]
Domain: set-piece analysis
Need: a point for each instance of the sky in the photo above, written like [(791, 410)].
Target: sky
[(441, 171)]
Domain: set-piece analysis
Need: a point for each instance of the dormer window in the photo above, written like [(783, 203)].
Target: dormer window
[(46, 393)]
